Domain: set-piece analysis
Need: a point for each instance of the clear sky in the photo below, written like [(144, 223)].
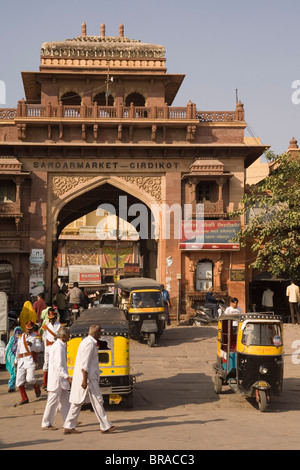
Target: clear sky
[(220, 46)]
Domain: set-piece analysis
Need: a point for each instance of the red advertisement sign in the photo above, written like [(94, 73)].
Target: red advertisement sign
[(209, 235), (93, 277)]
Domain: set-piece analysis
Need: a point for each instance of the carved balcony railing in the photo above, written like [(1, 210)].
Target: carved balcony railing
[(216, 116), (61, 111), (10, 209), (7, 114)]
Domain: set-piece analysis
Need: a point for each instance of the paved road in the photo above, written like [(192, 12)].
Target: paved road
[(175, 405)]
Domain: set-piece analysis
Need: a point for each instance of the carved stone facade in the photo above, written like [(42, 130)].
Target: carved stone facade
[(73, 152)]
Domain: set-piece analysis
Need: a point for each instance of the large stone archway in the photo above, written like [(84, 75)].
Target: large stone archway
[(69, 194)]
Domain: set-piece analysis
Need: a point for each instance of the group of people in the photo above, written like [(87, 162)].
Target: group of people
[(267, 302), (83, 384), (64, 392)]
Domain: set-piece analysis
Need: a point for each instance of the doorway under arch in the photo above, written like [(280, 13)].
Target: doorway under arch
[(105, 196)]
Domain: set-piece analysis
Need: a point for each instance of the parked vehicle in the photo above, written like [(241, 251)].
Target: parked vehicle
[(204, 315), (116, 383), (141, 299), (13, 319), (250, 355), (107, 299)]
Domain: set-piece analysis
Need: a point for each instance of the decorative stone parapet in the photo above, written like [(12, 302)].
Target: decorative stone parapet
[(101, 52)]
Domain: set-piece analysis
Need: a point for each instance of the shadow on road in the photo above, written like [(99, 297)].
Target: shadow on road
[(185, 334), (178, 390)]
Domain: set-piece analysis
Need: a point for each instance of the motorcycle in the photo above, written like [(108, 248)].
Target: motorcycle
[(204, 315), (74, 311), (13, 319)]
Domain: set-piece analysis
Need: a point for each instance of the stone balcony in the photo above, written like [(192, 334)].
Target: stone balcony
[(67, 112)]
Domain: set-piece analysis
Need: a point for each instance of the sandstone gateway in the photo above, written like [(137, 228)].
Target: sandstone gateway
[(96, 124)]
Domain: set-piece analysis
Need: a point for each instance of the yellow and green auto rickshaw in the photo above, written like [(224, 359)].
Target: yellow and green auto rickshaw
[(142, 302), (116, 383), (250, 355)]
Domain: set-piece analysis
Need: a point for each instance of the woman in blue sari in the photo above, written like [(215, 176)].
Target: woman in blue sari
[(10, 355)]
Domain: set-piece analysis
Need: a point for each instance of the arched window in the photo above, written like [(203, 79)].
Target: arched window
[(100, 99), (204, 274), (71, 98), (205, 191), (136, 99), (7, 191)]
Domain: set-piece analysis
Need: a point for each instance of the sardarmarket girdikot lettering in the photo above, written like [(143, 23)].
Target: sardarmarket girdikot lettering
[(97, 165)]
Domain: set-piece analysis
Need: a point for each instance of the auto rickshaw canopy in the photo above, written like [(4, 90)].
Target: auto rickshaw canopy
[(251, 316), (137, 283), (111, 319)]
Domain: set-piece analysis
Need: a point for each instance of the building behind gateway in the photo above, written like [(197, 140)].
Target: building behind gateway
[(97, 127)]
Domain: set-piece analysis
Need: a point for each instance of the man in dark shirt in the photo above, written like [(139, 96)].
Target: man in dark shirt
[(211, 302), (39, 305)]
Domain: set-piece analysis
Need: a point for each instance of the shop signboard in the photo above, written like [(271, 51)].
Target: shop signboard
[(85, 275), (209, 235)]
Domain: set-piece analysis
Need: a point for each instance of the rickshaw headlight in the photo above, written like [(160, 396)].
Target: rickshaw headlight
[(135, 318), (263, 370), (161, 316)]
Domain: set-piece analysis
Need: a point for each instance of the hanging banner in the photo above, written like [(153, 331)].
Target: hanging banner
[(109, 257)]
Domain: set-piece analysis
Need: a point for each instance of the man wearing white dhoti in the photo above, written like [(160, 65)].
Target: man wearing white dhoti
[(58, 380), (50, 330), (86, 382)]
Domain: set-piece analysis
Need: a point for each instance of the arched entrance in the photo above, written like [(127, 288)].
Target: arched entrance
[(99, 194)]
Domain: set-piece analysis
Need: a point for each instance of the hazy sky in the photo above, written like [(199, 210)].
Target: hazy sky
[(219, 45)]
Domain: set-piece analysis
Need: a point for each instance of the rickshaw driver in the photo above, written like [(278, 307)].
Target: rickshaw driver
[(233, 309)]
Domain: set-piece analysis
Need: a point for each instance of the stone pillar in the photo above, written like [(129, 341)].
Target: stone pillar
[(169, 253), (39, 262)]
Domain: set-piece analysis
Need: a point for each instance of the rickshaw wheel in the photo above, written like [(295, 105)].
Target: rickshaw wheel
[(218, 382), (129, 400), (262, 400), (151, 340)]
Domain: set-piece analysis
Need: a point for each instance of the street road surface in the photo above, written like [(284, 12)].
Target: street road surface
[(175, 406)]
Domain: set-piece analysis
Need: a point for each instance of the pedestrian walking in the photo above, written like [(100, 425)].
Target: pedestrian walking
[(39, 305), (61, 304), (50, 330), (10, 358), (86, 382), (267, 300), (167, 303), (58, 381), (27, 314), (293, 294), (29, 344)]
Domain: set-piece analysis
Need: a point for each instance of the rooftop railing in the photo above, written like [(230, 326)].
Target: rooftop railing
[(61, 111)]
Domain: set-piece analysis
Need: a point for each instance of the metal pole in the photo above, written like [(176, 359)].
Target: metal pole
[(178, 297)]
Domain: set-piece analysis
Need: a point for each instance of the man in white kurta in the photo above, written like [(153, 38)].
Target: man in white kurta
[(29, 344), (86, 382), (50, 330), (58, 380)]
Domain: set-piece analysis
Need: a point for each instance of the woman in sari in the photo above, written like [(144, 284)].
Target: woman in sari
[(27, 314), (10, 355)]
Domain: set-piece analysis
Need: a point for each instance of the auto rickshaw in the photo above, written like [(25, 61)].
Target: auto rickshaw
[(116, 383), (142, 302), (250, 355)]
